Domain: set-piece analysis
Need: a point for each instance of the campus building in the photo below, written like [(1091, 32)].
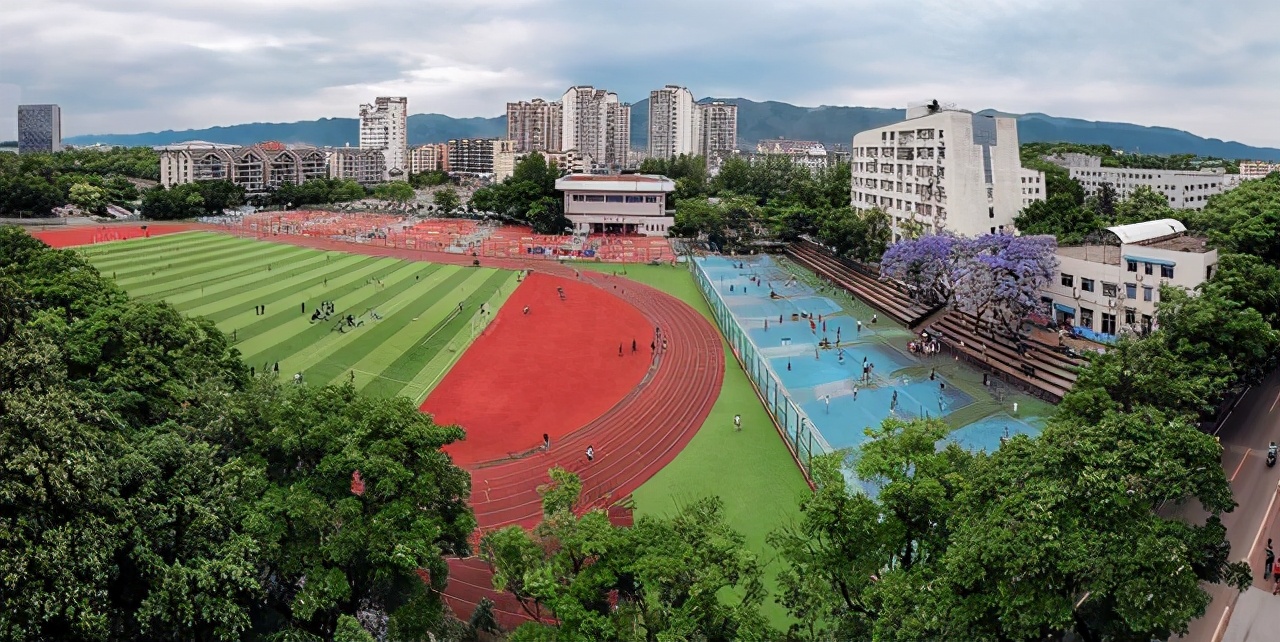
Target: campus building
[(942, 169), (596, 125), (1185, 190), (673, 123), (432, 157), (535, 125), (1105, 290), (265, 166), (1033, 188), (384, 127), (1257, 169), (620, 204), (39, 128)]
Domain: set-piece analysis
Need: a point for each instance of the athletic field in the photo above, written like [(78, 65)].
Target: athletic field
[(412, 320)]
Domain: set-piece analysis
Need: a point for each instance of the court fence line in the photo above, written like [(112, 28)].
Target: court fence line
[(801, 435)]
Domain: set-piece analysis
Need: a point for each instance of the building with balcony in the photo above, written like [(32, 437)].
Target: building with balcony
[(596, 125), (940, 169), (364, 166), (39, 129), (717, 124), (432, 157), (673, 123), (384, 127), (1112, 288), (265, 166), (618, 204), (1185, 190), (535, 126)]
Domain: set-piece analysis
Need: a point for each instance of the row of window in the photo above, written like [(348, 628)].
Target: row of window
[(1166, 271), (1109, 289), (613, 198)]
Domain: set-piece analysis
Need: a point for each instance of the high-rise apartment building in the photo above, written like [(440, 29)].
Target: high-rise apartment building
[(941, 168), (597, 125), (535, 125), (432, 157), (673, 122), (39, 128), (384, 127), (717, 125)]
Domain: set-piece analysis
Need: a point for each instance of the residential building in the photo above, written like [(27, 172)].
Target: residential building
[(384, 127), (810, 154), (536, 125), (504, 159), (942, 168), (1033, 187), (1185, 190), (194, 160), (1073, 159), (39, 128), (618, 204), (717, 128), (264, 166), (1109, 289), (597, 125), (471, 155), (432, 157), (1257, 169), (567, 161), (673, 123), (364, 166)]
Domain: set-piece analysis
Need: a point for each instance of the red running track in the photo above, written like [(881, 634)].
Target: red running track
[(550, 371), (75, 235), (633, 439)]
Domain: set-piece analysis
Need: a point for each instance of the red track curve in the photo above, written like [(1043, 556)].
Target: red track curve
[(633, 440)]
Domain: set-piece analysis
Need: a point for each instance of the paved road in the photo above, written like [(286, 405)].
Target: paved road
[(1253, 424)]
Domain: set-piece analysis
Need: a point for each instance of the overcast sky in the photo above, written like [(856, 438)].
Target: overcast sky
[(124, 66)]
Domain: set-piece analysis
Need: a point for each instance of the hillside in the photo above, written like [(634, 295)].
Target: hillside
[(756, 121)]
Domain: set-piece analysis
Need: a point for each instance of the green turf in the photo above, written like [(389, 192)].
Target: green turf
[(419, 333), (751, 471)]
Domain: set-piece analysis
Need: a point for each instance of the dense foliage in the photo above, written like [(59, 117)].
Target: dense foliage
[(190, 200), (153, 490), (35, 184), (1034, 152), (528, 196), (316, 191)]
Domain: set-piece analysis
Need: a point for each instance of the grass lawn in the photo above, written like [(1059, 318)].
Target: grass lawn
[(751, 471), (415, 319)]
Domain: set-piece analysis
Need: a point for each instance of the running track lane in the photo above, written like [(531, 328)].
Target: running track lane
[(633, 440), (76, 235)]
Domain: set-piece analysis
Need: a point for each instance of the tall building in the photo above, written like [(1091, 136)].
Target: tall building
[(597, 125), (39, 128), (504, 159), (673, 122), (941, 168), (535, 125), (384, 127), (717, 124), (432, 157), (1185, 190), (496, 156)]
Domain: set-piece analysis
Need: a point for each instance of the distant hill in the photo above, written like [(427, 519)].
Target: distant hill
[(756, 121)]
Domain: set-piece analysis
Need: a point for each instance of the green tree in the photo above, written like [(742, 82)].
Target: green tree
[(1103, 203), (1249, 281), (1204, 329), (28, 196), (88, 198), (428, 179), (1245, 220), (398, 191), (447, 199), (1143, 204), (1061, 216)]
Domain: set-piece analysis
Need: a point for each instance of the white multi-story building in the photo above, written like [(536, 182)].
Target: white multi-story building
[(384, 127), (536, 125), (1104, 290), (673, 123), (265, 166), (432, 157), (504, 159), (1185, 190), (1033, 188), (597, 125), (619, 204), (717, 124), (942, 168), (1257, 169), (1073, 159)]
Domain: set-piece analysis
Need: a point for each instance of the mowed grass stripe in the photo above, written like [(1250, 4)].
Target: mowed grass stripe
[(280, 298), (339, 361), (402, 375), (136, 259), (220, 286), (246, 289), (288, 309), (181, 279), (178, 263), (158, 246)]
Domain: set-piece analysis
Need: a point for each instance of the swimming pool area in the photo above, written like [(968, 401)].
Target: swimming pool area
[(828, 364)]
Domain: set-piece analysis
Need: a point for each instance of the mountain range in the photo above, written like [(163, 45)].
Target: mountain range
[(756, 121)]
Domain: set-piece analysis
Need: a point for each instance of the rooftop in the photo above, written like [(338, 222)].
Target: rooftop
[(1147, 230), (616, 183)]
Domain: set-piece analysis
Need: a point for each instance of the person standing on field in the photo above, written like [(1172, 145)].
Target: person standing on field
[(737, 422)]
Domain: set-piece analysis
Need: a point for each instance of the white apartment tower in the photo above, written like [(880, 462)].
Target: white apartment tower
[(942, 168), (384, 127), (673, 122), (597, 125), (535, 125), (717, 123)]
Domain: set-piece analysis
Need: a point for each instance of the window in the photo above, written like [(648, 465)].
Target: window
[(1108, 289), (1068, 280), (577, 198), (1146, 292), (1166, 271), (1086, 318), (595, 198), (1130, 316), (651, 199), (1131, 290), (635, 199), (1132, 266), (1146, 267), (1086, 284), (613, 198), (1108, 322), (991, 212)]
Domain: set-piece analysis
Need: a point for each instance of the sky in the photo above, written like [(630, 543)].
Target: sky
[(126, 66)]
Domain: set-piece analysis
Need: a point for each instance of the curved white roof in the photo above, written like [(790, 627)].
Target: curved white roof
[(1147, 230)]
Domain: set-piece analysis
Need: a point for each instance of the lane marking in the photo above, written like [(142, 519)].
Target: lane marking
[(1222, 624), (1242, 460), (1262, 528), (1273, 404)]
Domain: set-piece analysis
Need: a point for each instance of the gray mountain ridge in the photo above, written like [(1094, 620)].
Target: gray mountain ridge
[(756, 121)]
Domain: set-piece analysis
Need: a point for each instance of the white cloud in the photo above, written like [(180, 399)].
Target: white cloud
[(142, 65)]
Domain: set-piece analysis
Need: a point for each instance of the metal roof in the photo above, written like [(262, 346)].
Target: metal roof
[(1147, 230), (616, 183)]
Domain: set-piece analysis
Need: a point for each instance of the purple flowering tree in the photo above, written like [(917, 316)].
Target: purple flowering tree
[(924, 264), (999, 276)]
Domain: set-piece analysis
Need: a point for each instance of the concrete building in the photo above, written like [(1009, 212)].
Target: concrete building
[(1185, 190), (432, 157), (619, 204), (1073, 159), (943, 168), (567, 161), (504, 159), (384, 127), (1257, 169), (1033, 187), (597, 125), (1105, 290), (471, 156), (364, 166), (673, 123), (717, 128), (265, 166), (810, 154), (39, 128), (536, 125)]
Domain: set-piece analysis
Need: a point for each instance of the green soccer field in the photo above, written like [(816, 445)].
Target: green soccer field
[(410, 329)]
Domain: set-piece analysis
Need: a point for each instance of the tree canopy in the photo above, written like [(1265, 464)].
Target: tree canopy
[(35, 184), (528, 196)]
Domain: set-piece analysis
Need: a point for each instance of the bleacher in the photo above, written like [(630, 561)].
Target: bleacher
[(886, 296)]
